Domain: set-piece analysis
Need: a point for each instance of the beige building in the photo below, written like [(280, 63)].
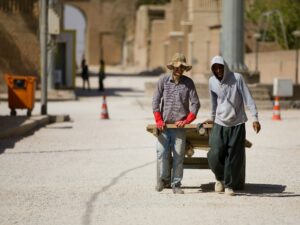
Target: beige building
[(193, 28), (101, 39), (188, 26)]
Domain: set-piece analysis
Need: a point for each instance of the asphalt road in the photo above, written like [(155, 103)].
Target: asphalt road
[(93, 171)]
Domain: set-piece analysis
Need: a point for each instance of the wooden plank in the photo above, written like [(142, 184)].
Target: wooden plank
[(193, 136), (187, 126), (191, 129)]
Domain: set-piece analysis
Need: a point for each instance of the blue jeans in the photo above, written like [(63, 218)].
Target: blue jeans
[(171, 140)]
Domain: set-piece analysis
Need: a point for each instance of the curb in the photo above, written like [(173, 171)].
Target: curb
[(33, 124)]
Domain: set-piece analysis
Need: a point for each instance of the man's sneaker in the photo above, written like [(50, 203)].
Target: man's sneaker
[(177, 190), (219, 186), (229, 191)]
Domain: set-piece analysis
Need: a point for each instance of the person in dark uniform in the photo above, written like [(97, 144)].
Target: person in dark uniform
[(85, 74), (101, 75)]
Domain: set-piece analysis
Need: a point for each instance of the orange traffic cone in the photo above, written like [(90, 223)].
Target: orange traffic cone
[(276, 110), (104, 112)]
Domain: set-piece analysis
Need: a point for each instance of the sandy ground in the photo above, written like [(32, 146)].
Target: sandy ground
[(94, 171)]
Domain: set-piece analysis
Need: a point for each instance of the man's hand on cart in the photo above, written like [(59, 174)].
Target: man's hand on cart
[(160, 124), (180, 123), (190, 118), (209, 121)]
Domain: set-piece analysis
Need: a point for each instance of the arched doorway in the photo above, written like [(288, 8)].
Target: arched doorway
[(74, 19)]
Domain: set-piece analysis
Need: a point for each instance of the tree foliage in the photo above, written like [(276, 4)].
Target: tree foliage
[(289, 9)]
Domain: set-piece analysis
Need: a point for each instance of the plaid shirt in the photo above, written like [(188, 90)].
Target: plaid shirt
[(175, 98)]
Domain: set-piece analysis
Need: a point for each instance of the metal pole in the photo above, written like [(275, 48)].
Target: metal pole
[(296, 34), (257, 37), (192, 53), (43, 43), (232, 38), (101, 46), (297, 59), (50, 53), (180, 45), (166, 49), (256, 55), (208, 54)]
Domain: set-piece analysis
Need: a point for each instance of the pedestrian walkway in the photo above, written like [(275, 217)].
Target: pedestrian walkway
[(53, 95), (13, 126)]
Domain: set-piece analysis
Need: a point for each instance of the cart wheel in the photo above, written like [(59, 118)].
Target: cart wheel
[(241, 183), (28, 112), (13, 112)]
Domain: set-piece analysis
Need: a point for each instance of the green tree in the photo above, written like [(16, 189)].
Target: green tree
[(289, 9)]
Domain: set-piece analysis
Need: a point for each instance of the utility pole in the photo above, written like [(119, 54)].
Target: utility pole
[(43, 45), (296, 34), (257, 37), (232, 40)]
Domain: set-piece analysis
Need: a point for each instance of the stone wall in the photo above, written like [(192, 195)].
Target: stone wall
[(157, 54), (278, 64), (19, 45)]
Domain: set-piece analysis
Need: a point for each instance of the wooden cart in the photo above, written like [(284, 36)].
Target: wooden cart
[(197, 137)]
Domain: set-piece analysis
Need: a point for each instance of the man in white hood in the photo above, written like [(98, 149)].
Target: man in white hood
[(229, 93)]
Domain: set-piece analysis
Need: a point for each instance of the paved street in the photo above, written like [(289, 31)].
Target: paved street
[(93, 171)]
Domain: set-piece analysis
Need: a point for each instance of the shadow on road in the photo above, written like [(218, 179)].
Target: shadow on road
[(258, 190), (146, 73), (79, 92), (9, 123), (9, 143), (266, 190)]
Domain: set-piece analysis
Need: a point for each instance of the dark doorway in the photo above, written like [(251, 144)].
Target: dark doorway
[(60, 63)]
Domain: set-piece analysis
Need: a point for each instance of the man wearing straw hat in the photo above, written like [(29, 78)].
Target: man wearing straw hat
[(175, 101)]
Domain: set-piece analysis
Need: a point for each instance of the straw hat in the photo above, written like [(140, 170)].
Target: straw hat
[(177, 60)]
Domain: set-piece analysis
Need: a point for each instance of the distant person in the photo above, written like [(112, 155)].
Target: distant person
[(85, 74), (175, 101), (101, 75), (229, 93)]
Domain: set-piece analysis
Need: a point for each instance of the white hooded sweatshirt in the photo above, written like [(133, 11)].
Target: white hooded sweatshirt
[(228, 97)]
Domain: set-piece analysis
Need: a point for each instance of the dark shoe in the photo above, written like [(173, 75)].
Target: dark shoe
[(159, 187), (167, 185), (177, 190), (163, 184)]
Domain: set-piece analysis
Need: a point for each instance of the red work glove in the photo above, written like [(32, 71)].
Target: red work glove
[(160, 124), (190, 118)]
